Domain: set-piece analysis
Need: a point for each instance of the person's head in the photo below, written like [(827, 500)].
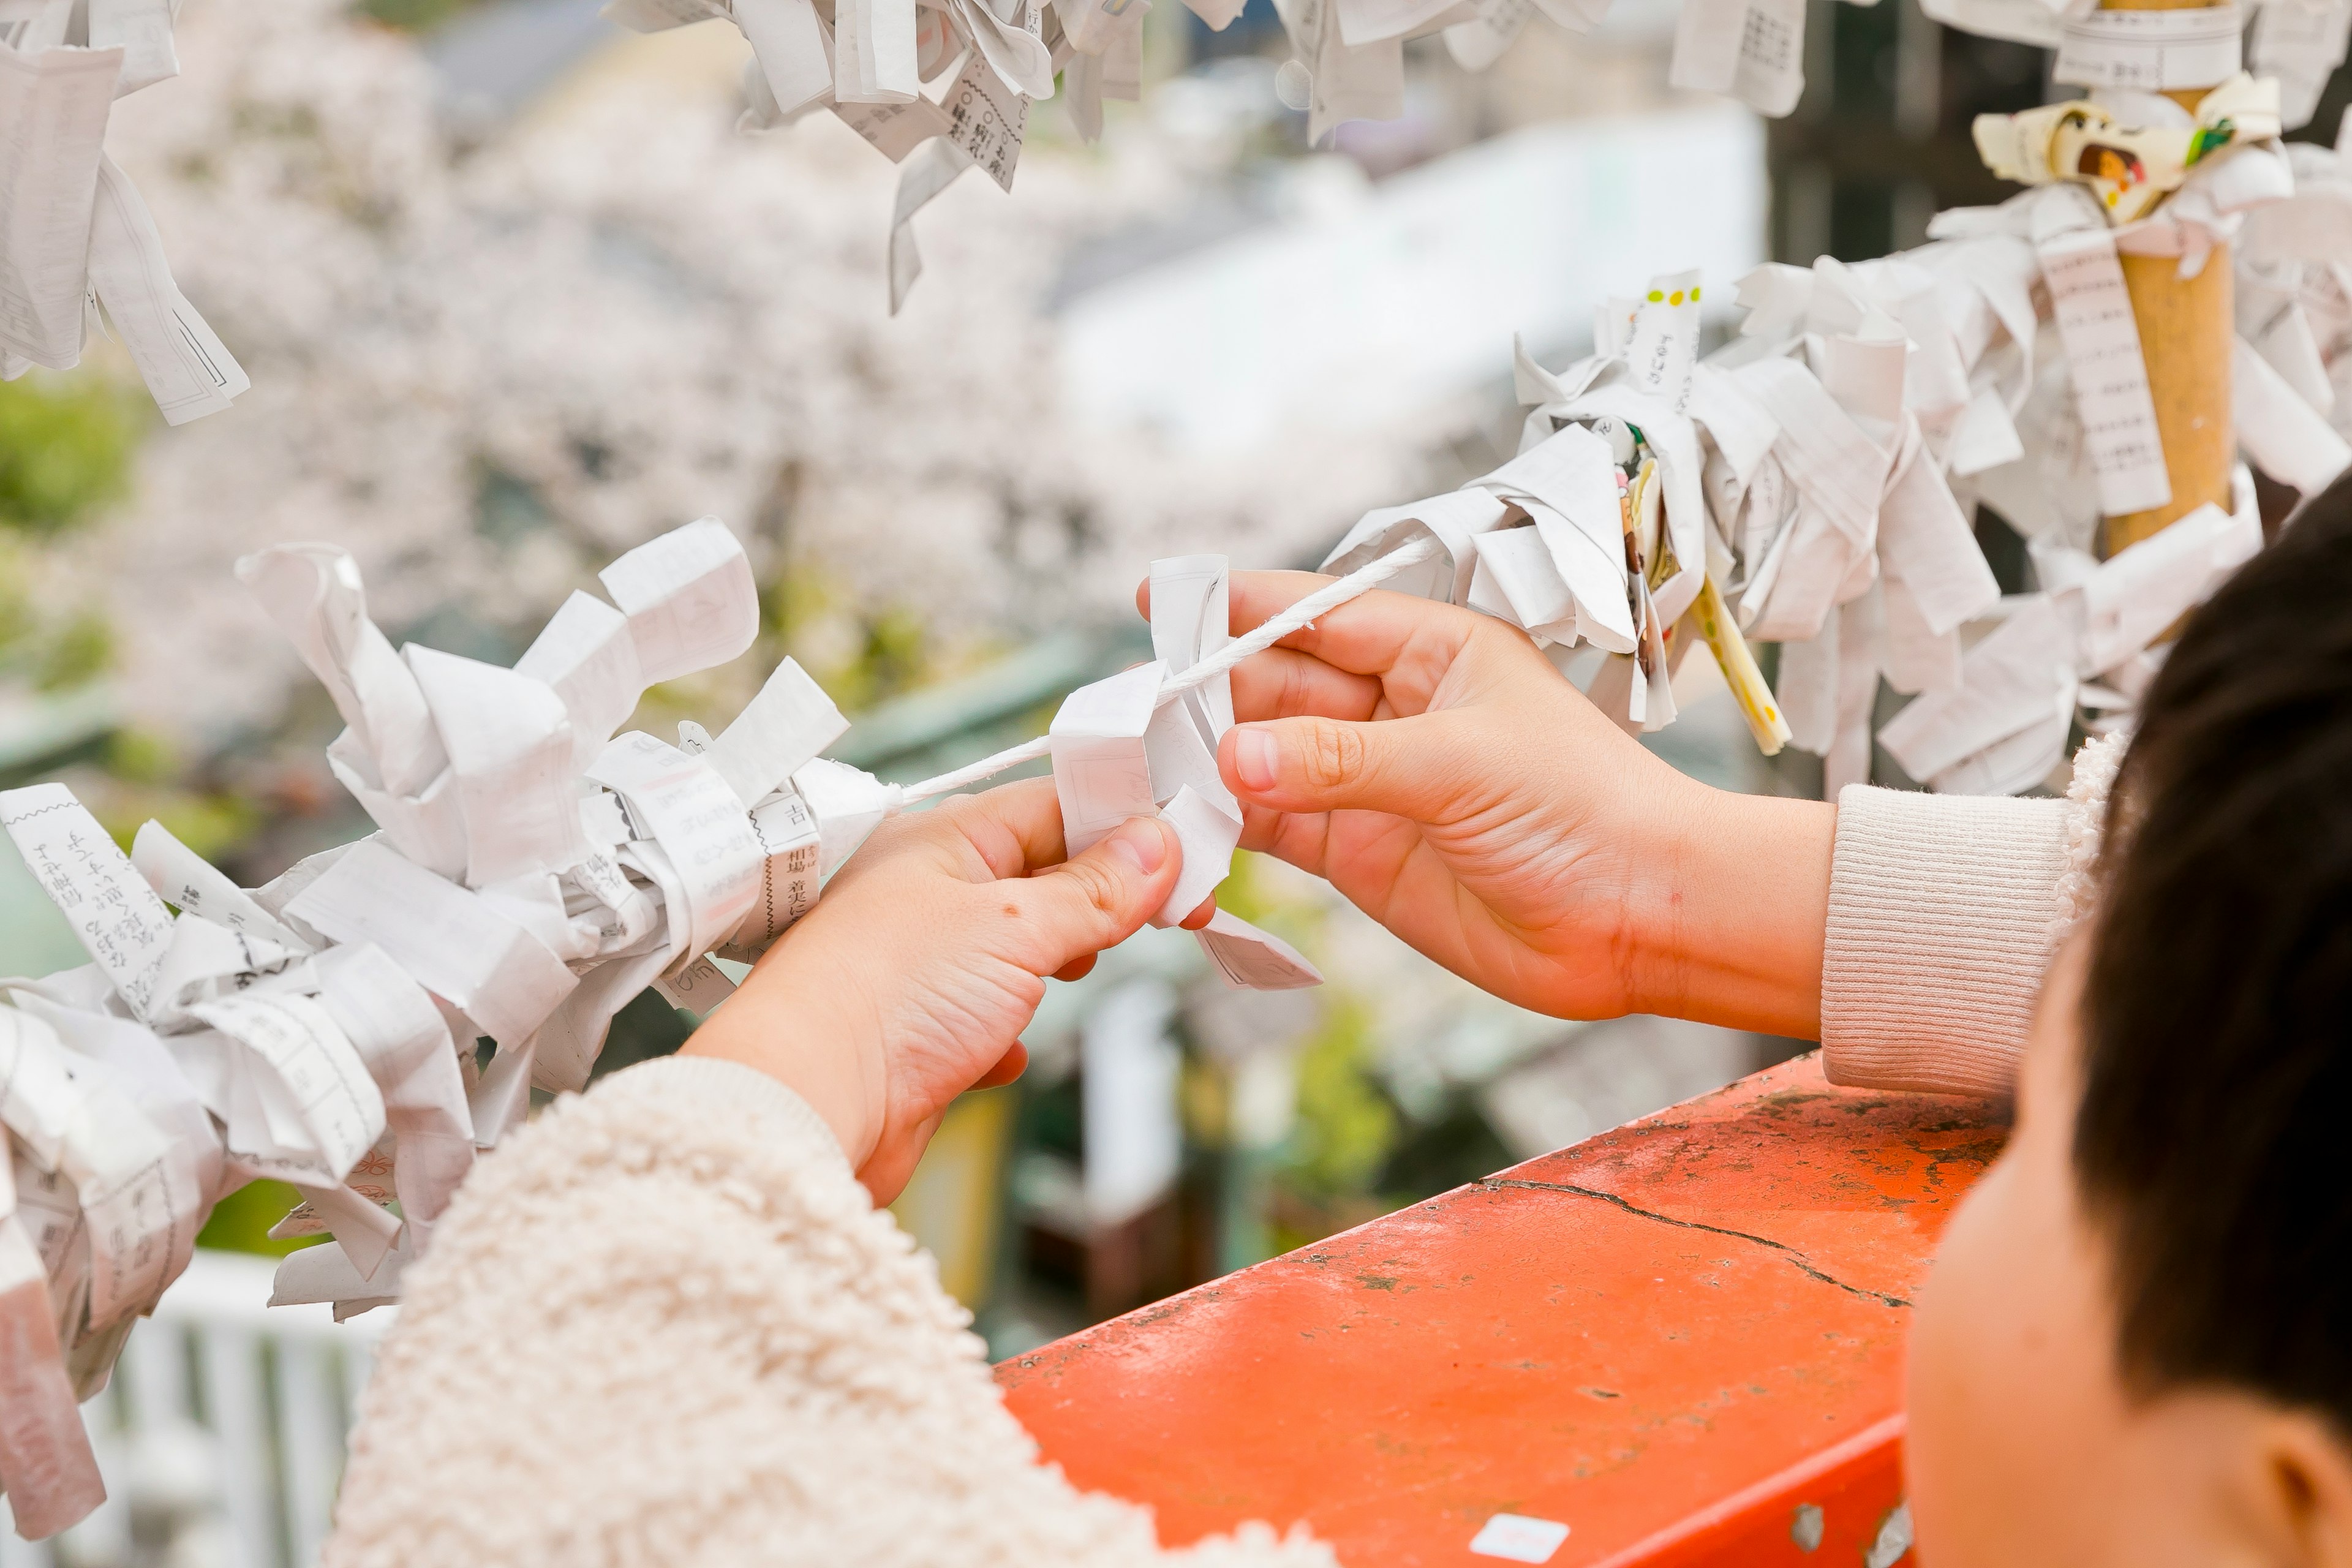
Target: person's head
[(2138, 1344)]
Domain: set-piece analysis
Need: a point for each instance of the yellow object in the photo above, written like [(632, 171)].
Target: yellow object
[(1755, 698), (951, 1205), (2130, 168)]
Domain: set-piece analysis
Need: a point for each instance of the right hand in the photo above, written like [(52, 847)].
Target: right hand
[(1432, 765)]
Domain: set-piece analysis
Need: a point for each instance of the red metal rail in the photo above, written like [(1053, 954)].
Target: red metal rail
[(1683, 1340)]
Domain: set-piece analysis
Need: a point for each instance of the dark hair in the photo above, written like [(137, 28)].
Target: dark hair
[(2218, 1010)]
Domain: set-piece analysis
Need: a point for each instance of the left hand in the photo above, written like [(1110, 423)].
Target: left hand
[(912, 979)]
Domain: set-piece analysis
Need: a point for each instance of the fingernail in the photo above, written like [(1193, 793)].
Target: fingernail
[(1256, 753), (1142, 844)]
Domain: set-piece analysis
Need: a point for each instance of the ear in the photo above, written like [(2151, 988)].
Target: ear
[(2300, 1491)]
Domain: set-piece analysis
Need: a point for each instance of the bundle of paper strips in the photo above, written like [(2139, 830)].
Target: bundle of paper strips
[(1815, 481), (76, 228), (2293, 279), (362, 1024), (1348, 64), (1754, 50), (939, 86)]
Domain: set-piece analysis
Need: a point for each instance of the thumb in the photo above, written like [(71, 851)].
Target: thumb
[(1096, 900), (1396, 765)]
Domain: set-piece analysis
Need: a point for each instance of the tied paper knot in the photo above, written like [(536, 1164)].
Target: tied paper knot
[(531, 873), (77, 227), (1816, 482)]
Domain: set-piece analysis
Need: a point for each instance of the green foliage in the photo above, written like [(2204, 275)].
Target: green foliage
[(1347, 1129), (1346, 1126), (1250, 893), (412, 16), (77, 651), (892, 659), (46, 647), (861, 655), (241, 1221), (211, 823), (138, 756), (146, 777), (66, 444)]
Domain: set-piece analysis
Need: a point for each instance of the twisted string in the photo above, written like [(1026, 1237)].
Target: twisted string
[(1305, 612)]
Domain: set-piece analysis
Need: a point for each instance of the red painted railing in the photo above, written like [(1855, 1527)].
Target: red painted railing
[(1682, 1340)]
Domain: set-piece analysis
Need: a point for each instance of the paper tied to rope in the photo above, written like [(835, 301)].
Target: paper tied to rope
[(2300, 42), (1596, 533), (940, 85), (2149, 51), (300, 1059), (936, 86), (197, 1051), (1843, 440), (78, 228), (532, 872), (1122, 751), (2086, 646), (1753, 50), (2295, 322), (2130, 148)]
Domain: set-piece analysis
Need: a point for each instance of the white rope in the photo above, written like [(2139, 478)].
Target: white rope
[(1305, 612), (986, 768)]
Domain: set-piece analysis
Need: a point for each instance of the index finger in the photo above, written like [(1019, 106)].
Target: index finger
[(1407, 642), (1016, 828), (1370, 635)]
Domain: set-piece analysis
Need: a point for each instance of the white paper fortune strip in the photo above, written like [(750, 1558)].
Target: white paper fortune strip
[(534, 872), (74, 225), (1844, 443), (2149, 51)]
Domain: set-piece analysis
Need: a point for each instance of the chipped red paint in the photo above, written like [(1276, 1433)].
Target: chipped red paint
[(1670, 1338)]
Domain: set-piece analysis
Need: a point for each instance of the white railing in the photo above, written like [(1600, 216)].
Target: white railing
[(222, 1433)]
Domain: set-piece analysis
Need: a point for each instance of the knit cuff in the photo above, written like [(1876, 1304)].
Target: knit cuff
[(709, 1086), (1941, 918)]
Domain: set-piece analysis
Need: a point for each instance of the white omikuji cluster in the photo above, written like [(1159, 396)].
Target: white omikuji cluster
[(1824, 468), (940, 85), (530, 875), (77, 228), (1755, 50)]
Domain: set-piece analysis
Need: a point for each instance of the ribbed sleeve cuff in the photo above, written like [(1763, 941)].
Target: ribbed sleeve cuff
[(1942, 909), (709, 1086)]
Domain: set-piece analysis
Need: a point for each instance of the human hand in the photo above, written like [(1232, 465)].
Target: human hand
[(1432, 764), (912, 979)]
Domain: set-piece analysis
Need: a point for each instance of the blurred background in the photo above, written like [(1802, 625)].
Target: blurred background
[(515, 295)]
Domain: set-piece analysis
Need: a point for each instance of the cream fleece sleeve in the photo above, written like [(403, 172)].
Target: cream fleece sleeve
[(1940, 915), (663, 1325), (1943, 912)]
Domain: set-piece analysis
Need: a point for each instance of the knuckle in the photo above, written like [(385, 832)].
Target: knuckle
[(1295, 692), (1096, 885), (1334, 755)]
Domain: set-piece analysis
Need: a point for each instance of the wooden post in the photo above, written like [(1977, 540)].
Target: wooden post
[(2188, 331)]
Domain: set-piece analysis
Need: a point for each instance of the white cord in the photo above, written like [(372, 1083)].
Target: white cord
[(986, 768), (1319, 603)]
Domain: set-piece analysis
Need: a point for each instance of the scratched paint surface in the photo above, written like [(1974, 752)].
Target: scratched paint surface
[(1661, 1337)]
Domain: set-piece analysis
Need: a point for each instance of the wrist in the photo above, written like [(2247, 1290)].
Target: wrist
[(1730, 930), (818, 1058)]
